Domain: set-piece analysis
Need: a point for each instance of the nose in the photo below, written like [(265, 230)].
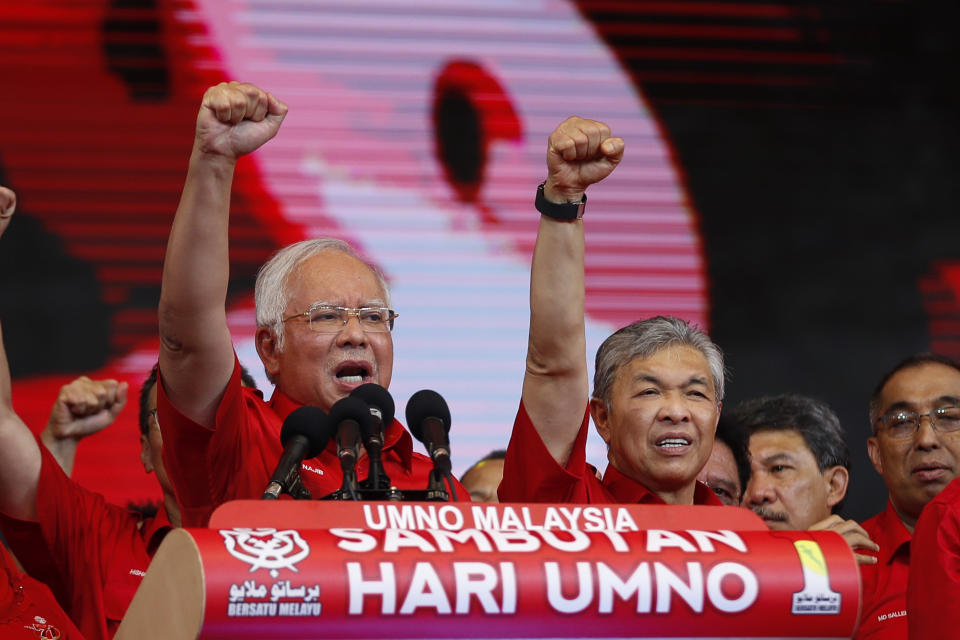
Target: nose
[(926, 437), (759, 490), (673, 409), (352, 333)]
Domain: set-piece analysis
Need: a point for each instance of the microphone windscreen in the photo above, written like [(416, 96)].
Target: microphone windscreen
[(350, 408), (378, 397), (424, 404), (311, 423)]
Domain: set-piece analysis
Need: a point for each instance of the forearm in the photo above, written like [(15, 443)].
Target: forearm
[(556, 342), (196, 352), (198, 245), (555, 383)]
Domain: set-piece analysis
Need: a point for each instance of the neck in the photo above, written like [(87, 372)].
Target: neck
[(173, 511), (908, 521), (684, 495)]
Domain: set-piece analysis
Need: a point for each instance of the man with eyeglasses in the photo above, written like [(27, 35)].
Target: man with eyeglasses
[(323, 328), (915, 414)]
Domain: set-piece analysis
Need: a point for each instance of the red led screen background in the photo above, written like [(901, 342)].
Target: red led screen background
[(757, 198)]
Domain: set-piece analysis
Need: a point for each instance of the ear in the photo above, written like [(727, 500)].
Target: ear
[(601, 418), (837, 480), (268, 351), (873, 451), (145, 454)]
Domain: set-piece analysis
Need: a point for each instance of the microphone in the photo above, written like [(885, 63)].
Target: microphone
[(304, 434), (349, 415), (381, 413), (428, 417)]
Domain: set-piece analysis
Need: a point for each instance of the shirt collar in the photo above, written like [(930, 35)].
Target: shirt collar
[(630, 491), (396, 439), (895, 537)]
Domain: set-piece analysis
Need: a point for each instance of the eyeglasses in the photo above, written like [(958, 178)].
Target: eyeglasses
[(903, 424), (328, 318)]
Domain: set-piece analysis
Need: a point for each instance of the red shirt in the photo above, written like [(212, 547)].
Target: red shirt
[(884, 613), (235, 459), (933, 590), (531, 474), (27, 608), (92, 554)]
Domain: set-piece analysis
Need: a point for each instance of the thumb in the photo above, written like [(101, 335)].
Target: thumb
[(121, 402), (612, 149)]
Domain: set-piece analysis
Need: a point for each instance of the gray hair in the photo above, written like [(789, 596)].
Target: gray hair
[(645, 338), (271, 292)]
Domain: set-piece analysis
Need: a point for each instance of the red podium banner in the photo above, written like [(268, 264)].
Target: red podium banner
[(518, 571)]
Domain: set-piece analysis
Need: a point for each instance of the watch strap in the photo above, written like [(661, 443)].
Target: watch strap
[(565, 211)]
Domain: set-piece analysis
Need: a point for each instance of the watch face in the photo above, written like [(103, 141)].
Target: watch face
[(418, 136)]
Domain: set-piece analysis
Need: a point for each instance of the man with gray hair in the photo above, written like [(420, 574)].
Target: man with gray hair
[(323, 329), (658, 385)]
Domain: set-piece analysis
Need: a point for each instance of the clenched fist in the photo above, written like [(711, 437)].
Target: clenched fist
[(236, 118), (580, 152)]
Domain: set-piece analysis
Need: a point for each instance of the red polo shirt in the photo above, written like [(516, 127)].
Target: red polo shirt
[(27, 608), (884, 613), (234, 461), (933, 590), (91, 553), (531, 474)]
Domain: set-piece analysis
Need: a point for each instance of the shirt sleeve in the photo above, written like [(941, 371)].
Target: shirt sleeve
[(75, 526), (530, 472), (232, 461), (934, 584)]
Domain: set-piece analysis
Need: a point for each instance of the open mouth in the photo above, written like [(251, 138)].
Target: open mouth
[(673, 443), (353, 372)]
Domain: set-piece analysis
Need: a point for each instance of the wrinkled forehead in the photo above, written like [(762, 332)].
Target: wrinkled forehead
[(925, 385), (335, 277), (674, 364)]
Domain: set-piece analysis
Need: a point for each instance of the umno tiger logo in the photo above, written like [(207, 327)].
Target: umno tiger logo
[(266, 548)]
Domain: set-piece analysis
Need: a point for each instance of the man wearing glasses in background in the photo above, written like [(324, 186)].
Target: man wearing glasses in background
[(323, 329), (915, 414)]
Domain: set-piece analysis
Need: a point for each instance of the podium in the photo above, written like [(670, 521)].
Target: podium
[(294, 569)]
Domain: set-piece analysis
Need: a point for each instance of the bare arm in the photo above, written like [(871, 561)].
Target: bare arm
[(19, 453), (196, 350), (555, 386), (82, 408)]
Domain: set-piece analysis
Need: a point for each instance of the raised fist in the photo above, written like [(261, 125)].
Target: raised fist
[(237, 118), (579, 153), (8, 203), (85, 407)]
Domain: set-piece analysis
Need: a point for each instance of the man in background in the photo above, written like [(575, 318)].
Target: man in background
[(800, 467), (728, 468), (915, 447)]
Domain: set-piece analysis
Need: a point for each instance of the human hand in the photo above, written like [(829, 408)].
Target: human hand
[(235, 119), (853, 533), (580, 152), (84, 407)]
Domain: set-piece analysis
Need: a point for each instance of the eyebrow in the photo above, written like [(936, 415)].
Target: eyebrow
[(376, 303), (646, 377), (783, 456)]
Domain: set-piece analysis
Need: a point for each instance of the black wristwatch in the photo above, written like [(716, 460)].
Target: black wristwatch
[(565, 211)]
